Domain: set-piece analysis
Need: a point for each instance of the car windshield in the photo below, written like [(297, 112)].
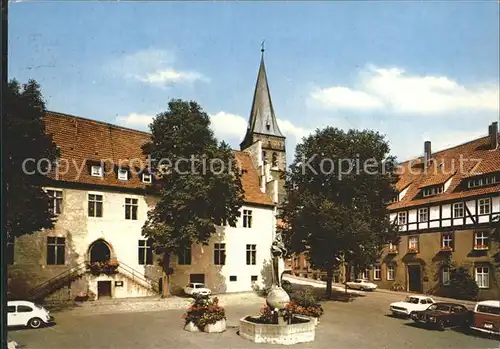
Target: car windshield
[(413, 300), (440, 307), (200, 286)]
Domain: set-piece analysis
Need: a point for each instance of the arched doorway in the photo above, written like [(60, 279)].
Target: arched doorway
[(99, 251)]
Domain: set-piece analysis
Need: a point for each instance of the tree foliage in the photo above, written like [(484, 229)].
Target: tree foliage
[(337, 190), (24, 138), (200, 182), (462, 285)]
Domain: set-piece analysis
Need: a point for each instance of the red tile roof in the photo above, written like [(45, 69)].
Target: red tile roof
[(81, 140), (458, 163)]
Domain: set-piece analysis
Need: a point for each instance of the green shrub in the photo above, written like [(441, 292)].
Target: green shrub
[(462, 285)]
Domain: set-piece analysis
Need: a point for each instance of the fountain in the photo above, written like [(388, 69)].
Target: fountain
[(278, 325)]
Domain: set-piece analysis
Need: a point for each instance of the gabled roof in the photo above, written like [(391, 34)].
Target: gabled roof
[(262, 118), (456, 164), (82, 140)]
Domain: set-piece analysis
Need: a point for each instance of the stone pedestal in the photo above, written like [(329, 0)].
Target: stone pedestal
[(219, 326), (191, 327)]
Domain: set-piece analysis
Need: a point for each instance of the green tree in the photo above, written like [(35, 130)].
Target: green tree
[(200, 183), (337, 190), (24, 144)]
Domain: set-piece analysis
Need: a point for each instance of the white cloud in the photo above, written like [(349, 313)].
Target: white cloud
[(228, 125), (393, 89), (154, 67), (290, 130), (345, 98), (134, 119)]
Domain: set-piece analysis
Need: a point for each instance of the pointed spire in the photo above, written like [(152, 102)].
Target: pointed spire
[(262, 119)]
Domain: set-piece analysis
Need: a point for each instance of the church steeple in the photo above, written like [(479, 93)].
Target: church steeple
[(262, 119)]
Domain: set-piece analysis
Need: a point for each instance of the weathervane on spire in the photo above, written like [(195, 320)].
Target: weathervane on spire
[(262, 46)]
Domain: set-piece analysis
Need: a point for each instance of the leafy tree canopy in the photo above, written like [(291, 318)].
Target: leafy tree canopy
[(337, 189), (25, 145), (200, 181)]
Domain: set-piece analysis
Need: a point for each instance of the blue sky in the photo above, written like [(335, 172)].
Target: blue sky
[(414, 71)]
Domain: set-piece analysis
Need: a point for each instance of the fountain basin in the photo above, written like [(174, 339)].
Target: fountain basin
[(301, 330)]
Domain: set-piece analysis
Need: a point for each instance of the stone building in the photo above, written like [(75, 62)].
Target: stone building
[(447, 204), (101, 193)]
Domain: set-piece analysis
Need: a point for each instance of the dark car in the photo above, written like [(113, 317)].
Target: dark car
[(442, 315)]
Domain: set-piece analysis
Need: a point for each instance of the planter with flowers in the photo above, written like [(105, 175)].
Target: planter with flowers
[(412, 250), (107, 267), (205, 315), (481, 247), (446, 249), (306, 305)]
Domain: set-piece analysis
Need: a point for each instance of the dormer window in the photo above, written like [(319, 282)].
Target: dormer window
[(122, 174), (96, 171), (431, 191), (147, 178), (483, 181)]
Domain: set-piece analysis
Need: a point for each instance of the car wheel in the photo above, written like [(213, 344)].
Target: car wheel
[(361, 288), (35, 322)]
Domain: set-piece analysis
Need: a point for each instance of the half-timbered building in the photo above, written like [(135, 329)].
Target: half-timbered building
[(446, 209)]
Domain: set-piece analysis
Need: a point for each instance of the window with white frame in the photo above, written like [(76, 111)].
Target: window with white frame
[(95, 205), (413, 243), (96, 171), (390, 272), (392, 247), (458, 210), (219, 254), (484, 206), (131, 206), (365, 274), (447, 240), (431, 191), (251, 254), (145, 252), (482, 276), (377, 274), (56, 250), (55, 201), (122, 174), (481, 240), (483, 181), (147, 178), (423, 214), (445, 275), (402, 217), (247, 218)]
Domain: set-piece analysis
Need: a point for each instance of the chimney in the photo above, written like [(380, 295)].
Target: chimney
[(493, 132), (427, 153)]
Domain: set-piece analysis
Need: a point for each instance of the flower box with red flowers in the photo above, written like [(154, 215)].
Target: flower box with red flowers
[(106, 267), (412, 250), (446, 249), (481, 247)]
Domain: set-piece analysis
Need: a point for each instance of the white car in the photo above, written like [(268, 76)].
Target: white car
[(411, 304), (362, 285), (196, 288), (24, 313)]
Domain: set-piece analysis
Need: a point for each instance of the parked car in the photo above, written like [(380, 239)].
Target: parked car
[(443, 314), (410, 304), (362, 285), (486, 317), (196, 288), (25, 313)]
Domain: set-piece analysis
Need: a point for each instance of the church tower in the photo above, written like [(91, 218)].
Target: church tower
[(263, 127)]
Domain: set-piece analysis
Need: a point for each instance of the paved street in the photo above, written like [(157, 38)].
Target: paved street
[(362, 323)]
